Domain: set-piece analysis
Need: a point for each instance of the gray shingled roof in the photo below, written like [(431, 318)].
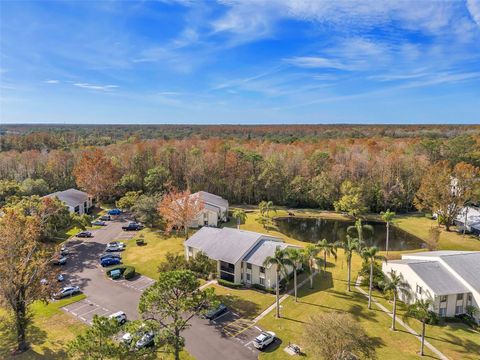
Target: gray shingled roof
[(467, 265), (262, 250), (226, 244), (71, 197), (437, 277), (212, 199)]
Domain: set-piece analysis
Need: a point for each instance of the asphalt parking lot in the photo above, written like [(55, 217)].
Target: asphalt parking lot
[(204, 340)]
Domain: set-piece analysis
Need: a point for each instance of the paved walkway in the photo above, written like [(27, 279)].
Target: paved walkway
[(273, 306), (399, 321)]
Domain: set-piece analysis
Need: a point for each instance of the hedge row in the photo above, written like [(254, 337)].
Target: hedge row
[(229, 284), (127, 271)]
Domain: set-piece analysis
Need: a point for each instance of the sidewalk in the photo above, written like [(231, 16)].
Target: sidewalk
[(273, 306), (399, 321)]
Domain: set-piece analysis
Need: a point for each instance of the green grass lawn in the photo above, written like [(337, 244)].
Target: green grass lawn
[(248, 303), (449, 240), (455, 339), (146, 258), (329, 294), (52, 329)]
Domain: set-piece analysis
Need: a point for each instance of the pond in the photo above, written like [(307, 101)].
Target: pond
[(314, 229)]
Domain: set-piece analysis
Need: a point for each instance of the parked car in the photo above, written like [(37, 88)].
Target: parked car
[(63, 250), (114, 212), (84, 234), (133, 226), (66, 291), (146, 340), (214, 313), (105, 218), (60, 277), (109, 262), (99, 223), (110, 255), (59, 260), (115, 246), (264, 339), (120, 316)]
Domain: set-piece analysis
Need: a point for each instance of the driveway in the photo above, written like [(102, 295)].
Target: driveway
[(204, 340)]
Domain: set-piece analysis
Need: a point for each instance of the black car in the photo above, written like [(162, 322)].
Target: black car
[(214, 313), (105, 218), (84, 234), (132, 227)]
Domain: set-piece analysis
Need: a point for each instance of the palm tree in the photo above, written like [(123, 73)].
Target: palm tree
[(350, 246), (387, 216), (370, 255), (280, 260), (296, 258), (328, 249), (240, 215), (310, 256), (420, 310), (359, 229), (394, 283)]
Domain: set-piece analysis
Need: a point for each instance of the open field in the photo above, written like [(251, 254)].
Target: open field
[(52, 329), (146, 258), (449, 240)]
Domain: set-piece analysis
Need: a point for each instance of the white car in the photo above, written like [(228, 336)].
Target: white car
[(264, 339), (115, 246), (120, 316), (67, 291)]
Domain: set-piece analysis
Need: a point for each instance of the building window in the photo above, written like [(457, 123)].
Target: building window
[(443, 312), (469, 299), (77, 209), (458, 309), (262, 281), (443, 298), (224, 266), (249, 266), (248, 277), (190, 251), (459, 297), (262, 270), (419, 290)]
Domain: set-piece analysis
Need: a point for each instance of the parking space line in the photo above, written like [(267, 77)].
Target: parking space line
[(88, 312)]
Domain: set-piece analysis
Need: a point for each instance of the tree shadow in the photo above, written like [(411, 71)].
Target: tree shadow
[(34, 336), (245, 308), (273, 346)]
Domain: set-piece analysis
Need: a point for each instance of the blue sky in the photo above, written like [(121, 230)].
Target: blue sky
[(262, 61)]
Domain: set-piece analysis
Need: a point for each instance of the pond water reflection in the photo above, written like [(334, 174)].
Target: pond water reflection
[(314, 229)]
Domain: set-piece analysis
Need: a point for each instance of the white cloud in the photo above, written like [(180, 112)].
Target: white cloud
[(473, 7), (95, 87), (316, 62), (52, 81)]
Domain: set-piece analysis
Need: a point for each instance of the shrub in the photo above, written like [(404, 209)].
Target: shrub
[(229, 284), (129, 272), (263, 288)]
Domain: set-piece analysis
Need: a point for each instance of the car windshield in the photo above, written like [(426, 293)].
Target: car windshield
[(261, 337)]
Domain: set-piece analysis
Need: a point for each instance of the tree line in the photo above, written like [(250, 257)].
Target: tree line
[(377, 172)]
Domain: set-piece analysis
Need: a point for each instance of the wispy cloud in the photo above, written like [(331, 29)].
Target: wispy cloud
[(52, 81), (473, 7), (316, 62), (96, 87)]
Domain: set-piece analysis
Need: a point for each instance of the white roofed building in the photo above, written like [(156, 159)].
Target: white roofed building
[(450, 278), (239, 254), (214, 211), (77, 201)]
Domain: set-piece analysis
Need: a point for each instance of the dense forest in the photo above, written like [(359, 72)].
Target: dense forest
[(298, 165)]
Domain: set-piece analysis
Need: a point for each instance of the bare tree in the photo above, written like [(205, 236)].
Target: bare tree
[(337, 336)]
